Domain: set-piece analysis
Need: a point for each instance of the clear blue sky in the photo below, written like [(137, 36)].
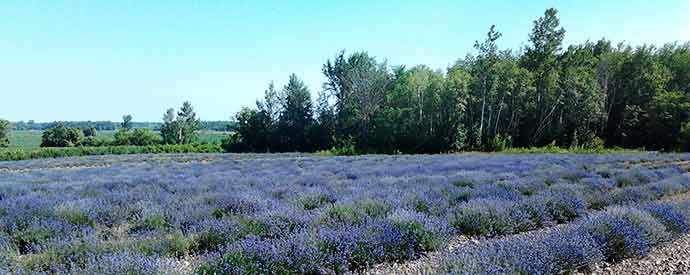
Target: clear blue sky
[(96, 60)]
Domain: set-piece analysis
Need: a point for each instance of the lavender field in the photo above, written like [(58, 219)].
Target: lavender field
[(296, 214)]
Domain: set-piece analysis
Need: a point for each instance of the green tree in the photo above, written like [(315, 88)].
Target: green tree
[(90, 132), (180, 129), (322, 132), (126, 122), (541, 58), (667, 115), (170, 130), (4, 133), (189, 123), (582, 109), (485, 83), (358, 84), (253, 127), (296, 117), (586, 95), (61, 136), (272, 106)]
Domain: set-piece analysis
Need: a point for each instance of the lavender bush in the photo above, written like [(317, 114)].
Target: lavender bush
[(286, 213)]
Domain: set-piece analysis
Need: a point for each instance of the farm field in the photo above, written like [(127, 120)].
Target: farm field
[(295, 214), (31, 139)]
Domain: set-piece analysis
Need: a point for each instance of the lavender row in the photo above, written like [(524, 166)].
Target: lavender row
[(610, 235), (292, 214)]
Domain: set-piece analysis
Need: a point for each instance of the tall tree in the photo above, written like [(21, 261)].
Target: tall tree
[(189, 123), (358, 84), (582, 110), (541, 58), (485, 70), (171, 128), (253, 127), (126, 122), (323, 130), (296, 116)]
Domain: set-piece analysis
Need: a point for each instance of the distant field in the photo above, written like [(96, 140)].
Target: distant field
[(32, 139)]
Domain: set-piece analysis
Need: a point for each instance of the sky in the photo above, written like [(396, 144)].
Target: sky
[(100, 59)]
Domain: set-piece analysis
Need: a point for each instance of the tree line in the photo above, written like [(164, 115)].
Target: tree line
[(177, 128), (586, 95), (219, 125)]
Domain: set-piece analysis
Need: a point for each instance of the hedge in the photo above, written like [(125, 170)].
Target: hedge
[(23, 154)]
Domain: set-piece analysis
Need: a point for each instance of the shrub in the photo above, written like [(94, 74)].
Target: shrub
[(74, 216), (136, 137), (89, 132), (25, 240), (74, 255), (178, 245), (208, 240), (91, 141), (344, 147), (155, 222), (374, 208), (489, 217), (232, 143), (421, 232), (670, 216), (625, 232), (560, 251), (317, 200), (562, 207), (61, 136), (342, 214), (499, 143), (20, 154)]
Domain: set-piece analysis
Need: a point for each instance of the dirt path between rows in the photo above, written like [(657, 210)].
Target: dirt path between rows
[(671, 258), (424, 265), (58, 167)]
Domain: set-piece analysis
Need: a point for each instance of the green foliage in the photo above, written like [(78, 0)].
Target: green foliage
[(315, 201), (345, 147), (23, 240), (74, 216), (93, 142), (248, 264), (76, 253), (296, 116), (343, 214), (180, 129), (424, 239), (155, 222), (22, 154), (90, 132), (136, 137), (126, 122), (30, 139), (232, 143), (684, 138), (61, 136), (4, 133), (587, 97), (208, 241)]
